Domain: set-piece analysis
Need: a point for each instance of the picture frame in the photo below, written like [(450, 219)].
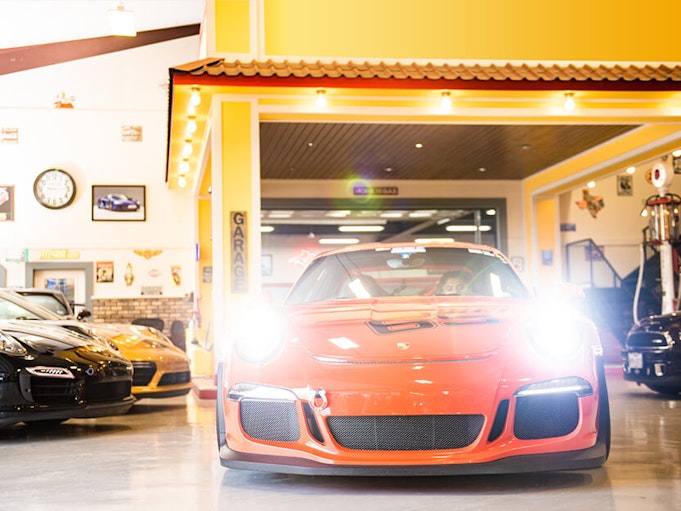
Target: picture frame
[(625, 185), (119, 203), (6, 203)]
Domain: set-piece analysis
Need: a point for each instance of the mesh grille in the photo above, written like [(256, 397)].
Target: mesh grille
[(270, 420), (546, 416), (54, 390), (143, 373), (174, 378), (108, 391), (405, 432)]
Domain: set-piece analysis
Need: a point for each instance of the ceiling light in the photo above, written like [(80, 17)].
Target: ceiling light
[(591, 184), (569, 102), (443, 221), (321, 98), (446, 101), (195, 98), (676, 153), (338, 241), (122, 21), (280, 214), (191, 126), (424, 213), (181, 181), (184, 167), (631, 170), (187, 149), (392, 214), (341, 213), (467, 228), (434, 240), (361, 228), (418, 145), (491, 212), (266, 228)]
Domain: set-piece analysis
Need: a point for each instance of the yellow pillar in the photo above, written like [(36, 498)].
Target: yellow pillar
[(235, 212), (546, 257)]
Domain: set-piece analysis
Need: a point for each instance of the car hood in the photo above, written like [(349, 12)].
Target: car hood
[(401, 330)]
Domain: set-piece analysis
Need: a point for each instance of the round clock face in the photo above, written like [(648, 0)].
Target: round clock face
[(54, 188)]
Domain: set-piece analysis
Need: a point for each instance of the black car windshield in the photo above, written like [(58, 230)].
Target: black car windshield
[(13, 306), (407, 271)]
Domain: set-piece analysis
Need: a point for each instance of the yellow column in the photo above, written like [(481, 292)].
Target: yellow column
[(546, 257), (235, 213)]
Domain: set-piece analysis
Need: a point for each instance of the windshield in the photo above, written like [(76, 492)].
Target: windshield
[(14, 306), (50, 302), (408, 271)]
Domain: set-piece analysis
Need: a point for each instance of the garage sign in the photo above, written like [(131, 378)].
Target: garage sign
[(239, 252)]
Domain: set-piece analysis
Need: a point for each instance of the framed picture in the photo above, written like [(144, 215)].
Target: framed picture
[(625, 184), (119, 203), (105, 271), (6, 203)]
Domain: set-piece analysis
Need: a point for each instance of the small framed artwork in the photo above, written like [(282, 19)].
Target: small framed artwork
[(105, 271), (119, 203), (6, 203), (625, 184)]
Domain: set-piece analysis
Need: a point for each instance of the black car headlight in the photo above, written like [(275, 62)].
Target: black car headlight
[(10, 346)]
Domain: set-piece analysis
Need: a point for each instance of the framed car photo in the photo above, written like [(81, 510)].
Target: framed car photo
[(119, 203)]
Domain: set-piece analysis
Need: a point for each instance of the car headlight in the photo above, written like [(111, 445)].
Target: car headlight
[(241, 391), (571, 384), (259, 335), (10, 346), (556, 334)]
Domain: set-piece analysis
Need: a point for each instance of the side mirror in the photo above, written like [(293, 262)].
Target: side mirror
[(83, 314)]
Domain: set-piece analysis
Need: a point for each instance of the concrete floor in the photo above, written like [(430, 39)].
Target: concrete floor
[(163, 455)]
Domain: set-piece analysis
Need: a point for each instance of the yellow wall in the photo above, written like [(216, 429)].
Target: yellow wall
[(500, 30), (233, 25)]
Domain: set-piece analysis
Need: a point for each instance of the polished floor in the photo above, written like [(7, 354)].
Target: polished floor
[(163, 455)]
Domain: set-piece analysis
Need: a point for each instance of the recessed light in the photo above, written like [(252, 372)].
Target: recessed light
[(482, 169), (418, 145)]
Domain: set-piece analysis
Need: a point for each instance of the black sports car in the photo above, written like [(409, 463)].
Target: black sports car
[(652, 353), (50, 374), (118, 202)]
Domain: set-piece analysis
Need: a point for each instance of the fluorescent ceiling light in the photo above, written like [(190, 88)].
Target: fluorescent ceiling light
[(122, 21), (467, 228), (338, 241), (433, 240), (266, 228), (424, 213), (361, 228)]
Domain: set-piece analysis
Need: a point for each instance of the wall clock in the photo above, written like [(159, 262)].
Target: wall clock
[(54, 188)]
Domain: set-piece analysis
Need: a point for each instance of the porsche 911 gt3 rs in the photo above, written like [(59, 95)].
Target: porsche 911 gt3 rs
[(410, 359)]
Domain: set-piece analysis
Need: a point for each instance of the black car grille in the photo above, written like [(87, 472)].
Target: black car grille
[(546, 416), (143, 373), (276, 421), (174, 378), (405, 432), (107, 391), (54, 390), (647, 340)]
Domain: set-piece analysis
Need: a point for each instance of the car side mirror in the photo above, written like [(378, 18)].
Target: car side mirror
[(83, 314)]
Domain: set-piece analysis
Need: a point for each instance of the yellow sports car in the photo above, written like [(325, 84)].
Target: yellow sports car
[(160, 368)]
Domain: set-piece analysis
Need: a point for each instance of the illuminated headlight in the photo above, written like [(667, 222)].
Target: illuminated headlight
[(10, 346), (259, 335), (556, 336), (571, 384), (253, 391)]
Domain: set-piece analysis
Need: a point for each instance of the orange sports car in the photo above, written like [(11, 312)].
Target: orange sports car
[(413, 359)]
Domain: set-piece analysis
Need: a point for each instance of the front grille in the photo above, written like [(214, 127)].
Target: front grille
[(107, 391), (54, 390), (546, 416), (276, 421), (405, 432), (174, 378), (143, 373), (647, 340)]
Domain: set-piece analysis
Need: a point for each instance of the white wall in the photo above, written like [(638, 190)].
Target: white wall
[(618, 227), (110, 91)]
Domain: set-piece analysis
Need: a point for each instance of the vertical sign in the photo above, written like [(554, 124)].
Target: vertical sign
[(239, 246)]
